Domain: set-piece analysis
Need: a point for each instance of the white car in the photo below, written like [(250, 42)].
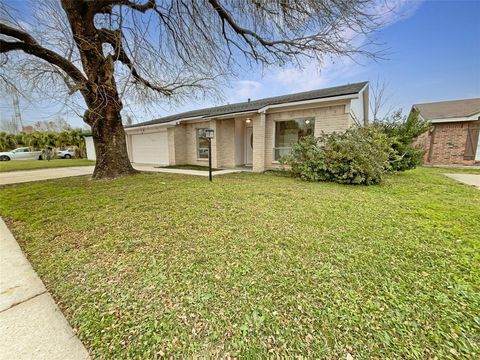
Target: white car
[(23, 153), (66, 154)]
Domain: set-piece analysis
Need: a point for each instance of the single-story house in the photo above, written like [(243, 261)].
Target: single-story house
[(252, 133), (454, 135)]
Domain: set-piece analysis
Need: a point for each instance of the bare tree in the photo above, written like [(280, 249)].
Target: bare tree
[(106, 51), (10, 126), (380, 99), (58, 124)]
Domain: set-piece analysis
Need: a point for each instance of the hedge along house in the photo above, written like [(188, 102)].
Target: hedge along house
[(454, 136), (254, 133)]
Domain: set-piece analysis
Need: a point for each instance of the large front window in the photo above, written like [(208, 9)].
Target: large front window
[(287, 133), (202, 144)]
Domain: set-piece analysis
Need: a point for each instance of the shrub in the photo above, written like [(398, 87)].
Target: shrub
[(402, 131), (360, 155), (357, 156)]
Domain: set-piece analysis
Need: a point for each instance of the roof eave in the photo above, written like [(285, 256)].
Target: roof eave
[(306, 102), (473, 117)]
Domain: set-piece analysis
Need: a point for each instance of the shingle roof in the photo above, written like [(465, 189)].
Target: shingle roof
[(449, 109), (258, 104)]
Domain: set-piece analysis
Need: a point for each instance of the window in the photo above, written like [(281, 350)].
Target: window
[(287, 133), (202, 144)]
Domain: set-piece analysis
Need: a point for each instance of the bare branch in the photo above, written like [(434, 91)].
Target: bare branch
[(30, 46), (379, 100), (106, 6)]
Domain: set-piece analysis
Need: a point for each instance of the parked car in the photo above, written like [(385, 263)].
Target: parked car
[(23, 153), (66, 154)]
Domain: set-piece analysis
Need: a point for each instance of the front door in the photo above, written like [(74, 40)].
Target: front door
[(248, 146)]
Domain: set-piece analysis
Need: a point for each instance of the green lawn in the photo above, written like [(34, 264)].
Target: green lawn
[(17, 165), (257, 266)]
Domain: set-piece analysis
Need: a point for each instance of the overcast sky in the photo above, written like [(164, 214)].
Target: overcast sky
[(433, 55)]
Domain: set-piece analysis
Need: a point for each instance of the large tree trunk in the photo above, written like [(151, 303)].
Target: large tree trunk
[(111, 148), (100, 92)]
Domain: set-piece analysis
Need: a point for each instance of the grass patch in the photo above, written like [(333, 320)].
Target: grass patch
[(251, 265), (17, 165), (189, 167)]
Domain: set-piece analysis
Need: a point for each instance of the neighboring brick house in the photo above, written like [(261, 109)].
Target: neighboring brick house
[(253, 133), (454, 136)]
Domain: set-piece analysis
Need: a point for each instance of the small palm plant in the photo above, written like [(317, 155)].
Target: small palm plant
[(50, 142), (79, 142), (7, 141), (35, 140)]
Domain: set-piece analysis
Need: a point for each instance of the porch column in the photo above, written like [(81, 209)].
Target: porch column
[(259, 142)]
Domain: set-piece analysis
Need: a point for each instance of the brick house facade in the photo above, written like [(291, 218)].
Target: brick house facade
[(253, 134), (454, 135)]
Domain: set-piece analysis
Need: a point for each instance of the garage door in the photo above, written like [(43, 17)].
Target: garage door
[(150, 148)]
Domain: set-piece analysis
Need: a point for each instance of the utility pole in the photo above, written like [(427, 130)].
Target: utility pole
[(18, 116)]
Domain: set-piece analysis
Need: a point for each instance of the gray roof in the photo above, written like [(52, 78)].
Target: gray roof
[(258, 104), (449, 109)]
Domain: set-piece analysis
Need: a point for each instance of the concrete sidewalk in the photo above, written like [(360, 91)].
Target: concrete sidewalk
[(468, 179), (17, 177), (31, 325), (152, 168)]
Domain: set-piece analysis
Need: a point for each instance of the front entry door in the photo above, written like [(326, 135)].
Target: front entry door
[(248, 146)]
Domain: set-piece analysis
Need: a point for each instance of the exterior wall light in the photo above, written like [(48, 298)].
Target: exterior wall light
[(307, 122), (248, 121), (209, 133)]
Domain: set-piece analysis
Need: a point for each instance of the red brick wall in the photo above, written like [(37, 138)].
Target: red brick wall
[(445, 144), (423, 141)]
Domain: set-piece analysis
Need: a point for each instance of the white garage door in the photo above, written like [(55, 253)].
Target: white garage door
[(150, 148)]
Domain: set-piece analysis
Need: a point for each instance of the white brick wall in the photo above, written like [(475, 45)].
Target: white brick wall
[(226, 142), (327, 119), (259, 133), (183, 140)]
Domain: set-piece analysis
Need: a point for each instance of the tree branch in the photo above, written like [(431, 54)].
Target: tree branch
[(30, 46), (114, 38), (105, 6)]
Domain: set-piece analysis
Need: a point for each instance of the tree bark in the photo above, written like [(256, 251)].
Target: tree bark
[(110, 148), (102, 98)]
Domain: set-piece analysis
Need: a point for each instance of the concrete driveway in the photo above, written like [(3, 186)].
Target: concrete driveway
[(468, 179), (16, 177)]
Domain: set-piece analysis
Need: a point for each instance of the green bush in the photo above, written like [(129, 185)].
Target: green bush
[(357, 156), (360, 155), (402, 131)]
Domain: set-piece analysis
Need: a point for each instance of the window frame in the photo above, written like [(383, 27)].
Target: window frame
[(275, 147), (199, 137)]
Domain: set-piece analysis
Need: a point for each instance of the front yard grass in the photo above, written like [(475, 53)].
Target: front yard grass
[(17, 165), (256, 266)]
